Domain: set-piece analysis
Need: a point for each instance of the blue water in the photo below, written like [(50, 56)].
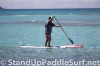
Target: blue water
[(26, 27)]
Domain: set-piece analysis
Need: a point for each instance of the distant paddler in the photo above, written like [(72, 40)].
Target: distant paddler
[(48, 30)]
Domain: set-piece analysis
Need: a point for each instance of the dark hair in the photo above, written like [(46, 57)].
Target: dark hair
[(49, 18)]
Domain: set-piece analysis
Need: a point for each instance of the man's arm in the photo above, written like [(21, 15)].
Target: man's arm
[(57, 26), (51, 19)]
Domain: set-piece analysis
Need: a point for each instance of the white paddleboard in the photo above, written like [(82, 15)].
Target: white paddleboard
[(75, 46), (65, 46)]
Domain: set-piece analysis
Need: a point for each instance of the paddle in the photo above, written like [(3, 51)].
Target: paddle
[(64, 31)]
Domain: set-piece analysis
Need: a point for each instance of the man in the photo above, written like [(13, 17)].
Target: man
[(48, 30)]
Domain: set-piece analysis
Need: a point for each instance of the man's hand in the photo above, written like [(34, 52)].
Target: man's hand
[(53, 16), (57, 26)]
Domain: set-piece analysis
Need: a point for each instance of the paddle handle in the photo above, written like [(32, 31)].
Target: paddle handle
[(64, 31)]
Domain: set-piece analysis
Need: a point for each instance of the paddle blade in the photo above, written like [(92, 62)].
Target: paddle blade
[(71, 40)]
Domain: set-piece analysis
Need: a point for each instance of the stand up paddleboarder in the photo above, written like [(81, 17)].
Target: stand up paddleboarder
[(48, 30)]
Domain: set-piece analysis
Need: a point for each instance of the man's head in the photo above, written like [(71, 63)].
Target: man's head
[(50, 18)]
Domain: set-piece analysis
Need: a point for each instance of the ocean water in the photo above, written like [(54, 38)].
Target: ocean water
[(26, 27)]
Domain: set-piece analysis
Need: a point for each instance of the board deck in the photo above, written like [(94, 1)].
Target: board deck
[(65, 46)]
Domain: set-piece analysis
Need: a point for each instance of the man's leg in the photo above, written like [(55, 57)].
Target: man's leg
[(46, 43), (48, 40), (49, 44)]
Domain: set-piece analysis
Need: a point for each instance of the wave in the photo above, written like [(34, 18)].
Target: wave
[(50, 14), (20, 15), (33, 20), (18, 22), (65, 23), (81, 14), (89, 14), (13, 15)]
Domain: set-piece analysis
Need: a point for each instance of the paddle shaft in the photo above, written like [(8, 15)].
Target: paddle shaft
[(64, 31)]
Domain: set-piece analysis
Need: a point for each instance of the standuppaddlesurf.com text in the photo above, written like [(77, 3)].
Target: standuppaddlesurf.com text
[(35, 62)]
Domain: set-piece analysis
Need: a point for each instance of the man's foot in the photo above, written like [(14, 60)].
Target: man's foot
[(49, 46)]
